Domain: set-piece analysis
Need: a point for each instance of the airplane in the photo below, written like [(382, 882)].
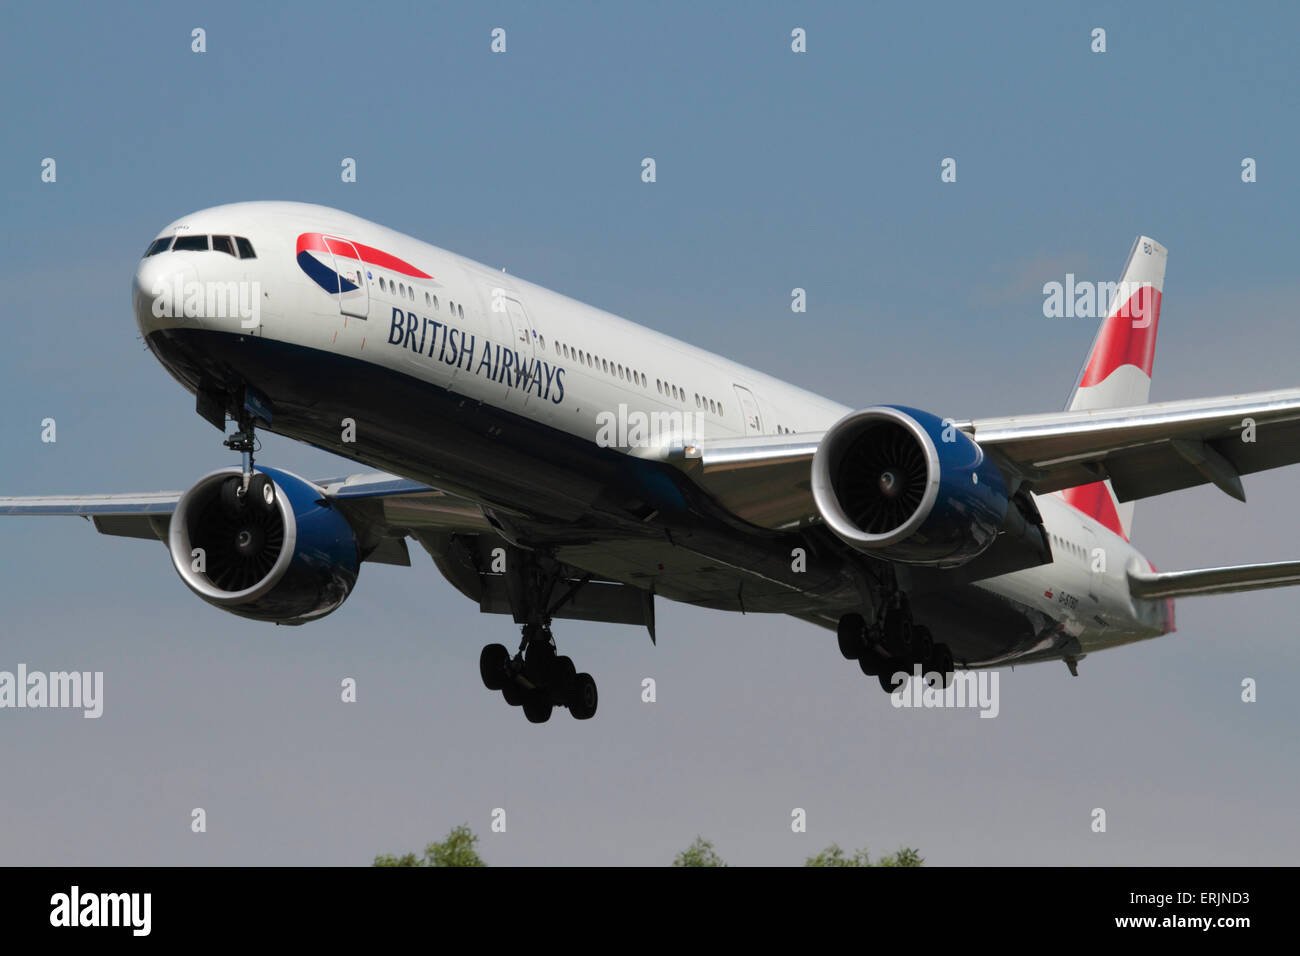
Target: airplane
[(559, 462)]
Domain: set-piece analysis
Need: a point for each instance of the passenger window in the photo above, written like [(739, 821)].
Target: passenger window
[(427, 300), (191, 244), (224, 244), (460, 311), (245, 248), (435, 303)]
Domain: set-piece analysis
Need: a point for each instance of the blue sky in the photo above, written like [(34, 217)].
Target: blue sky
[(775, 170)]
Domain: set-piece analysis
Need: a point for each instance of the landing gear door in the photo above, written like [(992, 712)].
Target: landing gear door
[(354, 291), (749, 411)]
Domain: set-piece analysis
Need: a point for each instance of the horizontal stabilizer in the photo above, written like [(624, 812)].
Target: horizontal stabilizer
[(1245, 577)]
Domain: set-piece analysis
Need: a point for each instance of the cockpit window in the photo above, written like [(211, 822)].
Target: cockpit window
[(236, 246)]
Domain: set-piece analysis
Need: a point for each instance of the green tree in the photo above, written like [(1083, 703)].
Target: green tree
[(833, 855), (699, 853), (456, 850), (387, 859), (904, 857)]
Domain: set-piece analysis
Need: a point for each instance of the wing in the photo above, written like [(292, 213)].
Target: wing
[(382, 509), (1144, 450), (1148, 450)]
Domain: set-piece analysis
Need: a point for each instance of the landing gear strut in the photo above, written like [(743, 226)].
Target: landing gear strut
[(251, 490), (893, 643), (537, 678)]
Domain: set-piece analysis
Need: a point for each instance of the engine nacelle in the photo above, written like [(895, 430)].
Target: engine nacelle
[(899, 484), (289, 561)]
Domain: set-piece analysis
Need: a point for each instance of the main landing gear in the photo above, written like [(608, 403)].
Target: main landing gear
[(537, 678), (893, 643)]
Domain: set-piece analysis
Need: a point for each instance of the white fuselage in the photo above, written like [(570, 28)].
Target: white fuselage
[(587, 361)]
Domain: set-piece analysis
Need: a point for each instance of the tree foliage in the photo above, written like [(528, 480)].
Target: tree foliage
[(702, 853), (457, 849), (833, 855), (699, 853)]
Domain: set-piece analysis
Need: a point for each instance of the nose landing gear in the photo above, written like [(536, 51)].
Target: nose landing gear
[(251, 491)]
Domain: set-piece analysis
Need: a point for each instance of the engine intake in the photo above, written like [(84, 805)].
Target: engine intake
[(288, 557), (901, 484)]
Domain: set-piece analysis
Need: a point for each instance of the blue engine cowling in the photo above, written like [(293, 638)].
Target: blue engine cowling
[(289, 562), (900, 484)]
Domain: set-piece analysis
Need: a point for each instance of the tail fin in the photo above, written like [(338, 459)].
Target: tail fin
[(1118, 368)]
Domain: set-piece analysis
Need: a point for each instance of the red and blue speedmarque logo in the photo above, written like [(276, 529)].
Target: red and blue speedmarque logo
[(318, 253)]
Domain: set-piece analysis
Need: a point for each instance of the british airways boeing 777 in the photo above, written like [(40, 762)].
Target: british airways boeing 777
[(557, 461)]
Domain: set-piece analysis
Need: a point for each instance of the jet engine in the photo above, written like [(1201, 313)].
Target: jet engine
[(279, 552), (904, 485)]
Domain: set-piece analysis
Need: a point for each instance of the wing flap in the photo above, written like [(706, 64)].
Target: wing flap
[(765, 480), (151, 527)]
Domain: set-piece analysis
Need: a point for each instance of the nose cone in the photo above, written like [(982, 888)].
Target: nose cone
[(161, 285)]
